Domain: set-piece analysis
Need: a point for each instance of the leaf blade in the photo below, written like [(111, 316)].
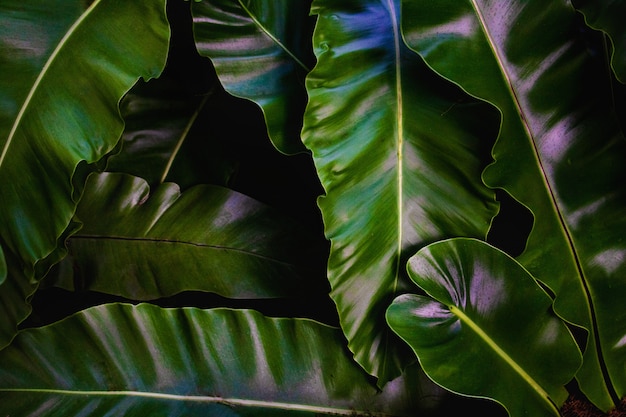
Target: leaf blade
[(376, 122), (462, 335), (172, 355), (261, 51), (558, 154), (50, 107), (217, 240)]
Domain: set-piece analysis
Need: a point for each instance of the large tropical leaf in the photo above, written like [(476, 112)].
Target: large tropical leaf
[(608, 16), (261, 50), (560, 153), (174, 362), (488, 329), (59, 107), (143, 245), (397, 150)]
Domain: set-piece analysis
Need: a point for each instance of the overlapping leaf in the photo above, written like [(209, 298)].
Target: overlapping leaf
[(63, 72), (261, 50), (209, 238), (174, 362), (608, 16), (398, 151), (488, 329), (560, 153)]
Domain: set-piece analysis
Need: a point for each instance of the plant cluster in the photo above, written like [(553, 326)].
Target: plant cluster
[(279, 207)]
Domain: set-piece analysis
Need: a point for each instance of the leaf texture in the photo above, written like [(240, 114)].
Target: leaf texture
[(63, 71), (174, 362), (397, 150), (261, 50), (560, 153), (143, 246)]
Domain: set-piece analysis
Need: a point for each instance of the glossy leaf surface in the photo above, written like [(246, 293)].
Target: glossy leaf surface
[(486, 329), (397, 150), (145, 245), (59, 107), (608, 16), (174, 362), (560, 153), (261, 50)]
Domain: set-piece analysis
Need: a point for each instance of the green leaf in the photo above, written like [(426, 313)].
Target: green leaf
[(174, 362), (63, 72), (261, 50), (560, 153), (143, 245), (608, 16), (398, 151), (488, 330)]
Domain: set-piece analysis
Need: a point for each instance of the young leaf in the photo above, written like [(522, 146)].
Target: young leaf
[(608, 16), (488, 330), (143, 245), (174, 362), (64, 70), (398, 151), (261, 50), (560, 153)]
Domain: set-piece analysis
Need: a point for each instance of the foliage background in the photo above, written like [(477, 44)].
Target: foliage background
[(227, 144)]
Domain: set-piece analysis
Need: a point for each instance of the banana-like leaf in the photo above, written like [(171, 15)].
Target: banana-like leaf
[(64, 69), (608, 16), (261, 50), (144, 360), (145, 246), (560, 153), (397, 150), (488, 330)]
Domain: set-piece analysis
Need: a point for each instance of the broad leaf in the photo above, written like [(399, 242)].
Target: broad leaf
[(560, 153), (608, 16), (143, 245), (488, 330), (174, 362), (397, 150), (59, 107), (261, 51)]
